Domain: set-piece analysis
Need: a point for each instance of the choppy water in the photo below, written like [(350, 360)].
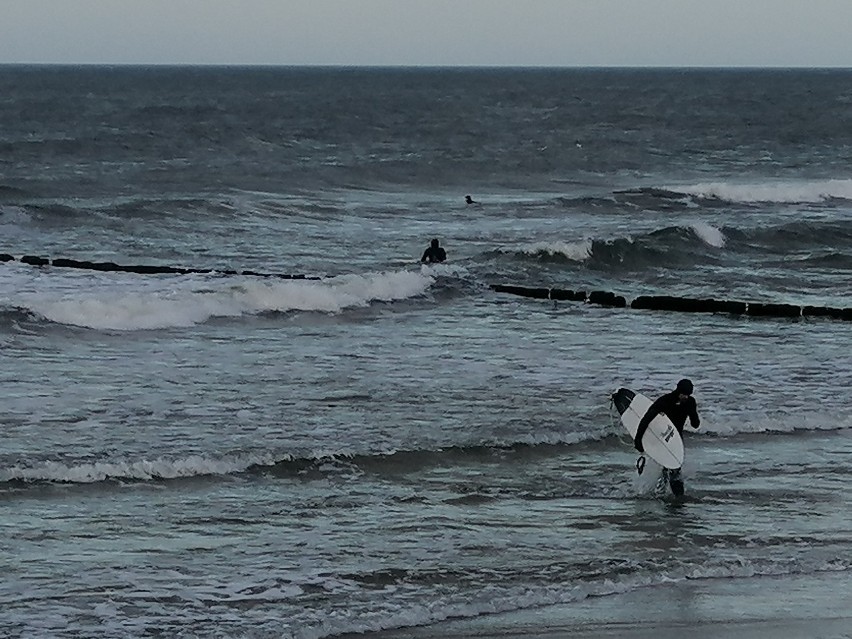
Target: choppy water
[(390, 445)]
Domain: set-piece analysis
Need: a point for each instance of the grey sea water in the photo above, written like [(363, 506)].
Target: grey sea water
[(391, 445)]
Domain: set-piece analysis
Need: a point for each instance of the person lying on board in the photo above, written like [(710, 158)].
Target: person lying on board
[(434, 253)]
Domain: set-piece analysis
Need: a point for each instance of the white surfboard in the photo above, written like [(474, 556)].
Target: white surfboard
[(661, 441)]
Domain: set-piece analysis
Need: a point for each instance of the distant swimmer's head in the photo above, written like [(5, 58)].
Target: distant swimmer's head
[(434, 243), (684, 387)]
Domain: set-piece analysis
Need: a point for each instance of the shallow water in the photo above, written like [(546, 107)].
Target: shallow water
[(393, 445)]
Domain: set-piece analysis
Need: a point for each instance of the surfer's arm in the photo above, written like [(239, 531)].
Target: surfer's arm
[(650, 414), (694, 421)]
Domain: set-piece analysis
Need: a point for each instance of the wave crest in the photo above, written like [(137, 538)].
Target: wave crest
[(797, 192), (190, 301)]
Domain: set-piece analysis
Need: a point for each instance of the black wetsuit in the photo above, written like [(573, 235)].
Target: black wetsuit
[(434, 254), (674, 410), (677, 411)]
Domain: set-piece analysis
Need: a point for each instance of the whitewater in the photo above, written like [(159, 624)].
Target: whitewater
[(349, 441)]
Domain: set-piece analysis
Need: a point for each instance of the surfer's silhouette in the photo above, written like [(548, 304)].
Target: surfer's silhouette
[(469, 200), (677, 406), (434, 253)]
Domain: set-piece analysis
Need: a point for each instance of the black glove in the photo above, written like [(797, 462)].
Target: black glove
[(637, 442)]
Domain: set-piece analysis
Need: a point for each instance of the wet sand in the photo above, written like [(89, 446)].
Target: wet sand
[(815, 606)]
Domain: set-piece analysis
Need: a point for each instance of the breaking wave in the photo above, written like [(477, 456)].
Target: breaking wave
[(331, 462), (812, 191), (181, 302)]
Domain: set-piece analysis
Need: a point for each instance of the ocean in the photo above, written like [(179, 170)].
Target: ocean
[(379, 445)]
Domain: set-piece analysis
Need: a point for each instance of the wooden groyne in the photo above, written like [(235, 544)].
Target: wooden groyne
[(679, 304), (145, 269)]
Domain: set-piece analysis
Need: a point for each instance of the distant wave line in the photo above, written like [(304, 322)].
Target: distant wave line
[(310, 465), (603, 298)]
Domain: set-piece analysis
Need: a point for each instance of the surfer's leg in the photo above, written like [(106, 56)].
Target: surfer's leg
[(676, 482), (660, 488)]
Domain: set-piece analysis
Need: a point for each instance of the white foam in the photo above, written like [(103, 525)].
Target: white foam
[(724, 424), (287, 608), (160, 468), (709, 234), (444, 270), (179, 302), (804, 191), (13, 216), (497, 599), (574, 251), (15, 225)]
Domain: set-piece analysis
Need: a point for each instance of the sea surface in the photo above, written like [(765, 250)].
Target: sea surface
[(391, 445)]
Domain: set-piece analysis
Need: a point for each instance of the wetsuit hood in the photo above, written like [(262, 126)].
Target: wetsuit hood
[(684, 386)]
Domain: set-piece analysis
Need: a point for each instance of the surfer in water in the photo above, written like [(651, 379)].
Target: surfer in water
[(434, 253), (677, 406)]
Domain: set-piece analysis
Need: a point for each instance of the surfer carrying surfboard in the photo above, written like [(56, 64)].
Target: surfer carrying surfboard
[(677, 405)]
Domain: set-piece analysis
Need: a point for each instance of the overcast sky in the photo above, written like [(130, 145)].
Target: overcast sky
[(430, 32)]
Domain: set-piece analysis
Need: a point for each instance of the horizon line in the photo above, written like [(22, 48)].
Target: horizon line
[(424, 66)]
